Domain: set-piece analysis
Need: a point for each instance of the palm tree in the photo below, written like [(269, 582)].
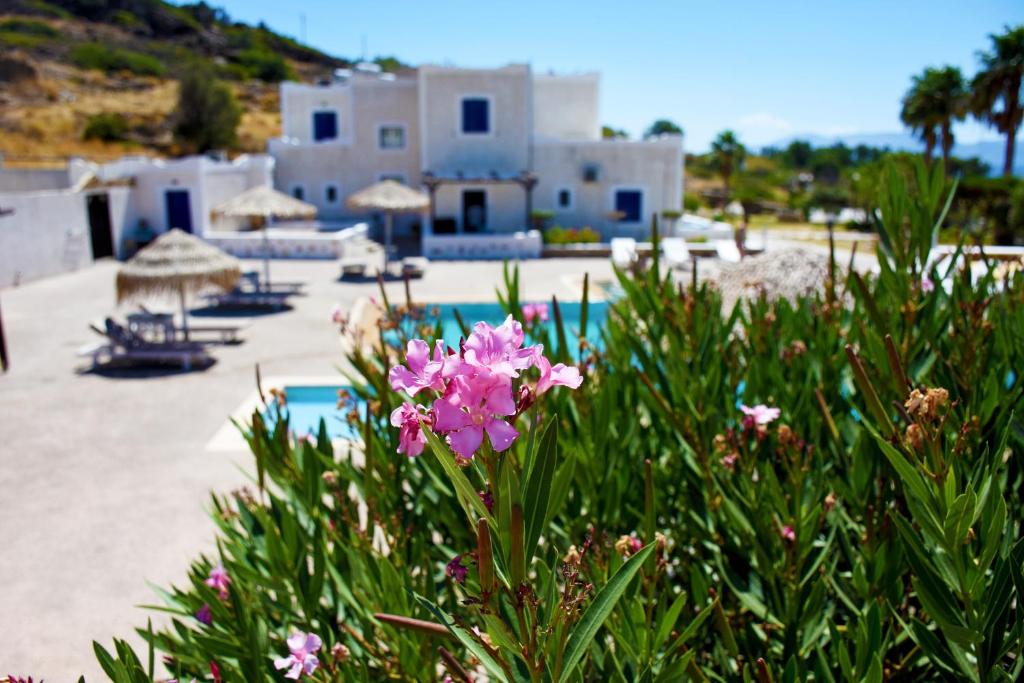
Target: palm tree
[(727, 154), (915, 115), (998, 83)]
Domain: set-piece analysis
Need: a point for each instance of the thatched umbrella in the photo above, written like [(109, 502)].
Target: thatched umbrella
[(261, 204), (391, 197), (176, 263)]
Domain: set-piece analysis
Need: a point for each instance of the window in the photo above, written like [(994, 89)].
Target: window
[(563, 198), (630, 204), (590, 173), (476, 115), (325, 126), (331, 194), (391, 137), (299, 192)]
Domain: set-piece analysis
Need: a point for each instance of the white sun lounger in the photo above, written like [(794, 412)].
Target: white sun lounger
[(623, 251), (727, 251), (675, 252)]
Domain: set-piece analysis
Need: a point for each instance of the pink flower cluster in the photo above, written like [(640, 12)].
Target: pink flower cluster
[(533, 312), (759, 415), (300, 659), (473, 388)]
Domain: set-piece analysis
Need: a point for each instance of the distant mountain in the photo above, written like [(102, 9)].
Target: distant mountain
[(989, 151)]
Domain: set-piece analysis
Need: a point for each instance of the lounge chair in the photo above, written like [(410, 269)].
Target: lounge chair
[(251, 281), (125, 347), (728, 251), (353, 267), (237, 298), (623, 252), (676, 253), (414, 266), (147, 322)]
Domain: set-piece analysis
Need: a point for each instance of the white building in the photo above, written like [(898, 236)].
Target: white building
[(53, 221), (490, 145)]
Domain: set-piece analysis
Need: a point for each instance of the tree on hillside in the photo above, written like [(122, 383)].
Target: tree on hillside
[(727, 154), (662, 127), (798, 154), (610, 133), (996, 96), (916, 115), (207, 115)]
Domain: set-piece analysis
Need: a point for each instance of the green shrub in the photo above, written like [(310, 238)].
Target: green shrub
[(111, 59), (107, 126), (822, 489), (28, 27), (207, 114), (265, 66), (691, 202), (559, 235)]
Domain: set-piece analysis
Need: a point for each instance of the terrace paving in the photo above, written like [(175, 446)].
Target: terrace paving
[(106, 479)]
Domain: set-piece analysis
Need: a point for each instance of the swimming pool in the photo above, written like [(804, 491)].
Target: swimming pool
[(306, 405), (493, 314)]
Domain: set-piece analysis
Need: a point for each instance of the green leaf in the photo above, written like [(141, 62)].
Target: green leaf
[(584, 632), (464, 491), (475, 648), (538, 488), (959, 519)]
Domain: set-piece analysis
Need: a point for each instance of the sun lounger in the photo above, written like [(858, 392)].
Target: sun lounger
[(676, 253), (126, 348), (728, 251), (251, 281), (244, 299), (162, 326), (623, 252), (353, 267), (414, 266)]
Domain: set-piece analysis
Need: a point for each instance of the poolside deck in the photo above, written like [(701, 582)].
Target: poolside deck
[(107, 479)]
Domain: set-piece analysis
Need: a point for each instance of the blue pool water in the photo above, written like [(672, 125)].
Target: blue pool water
[(493, 314), (306, 405)]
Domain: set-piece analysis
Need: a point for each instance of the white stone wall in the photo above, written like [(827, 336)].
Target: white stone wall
[(300, 100), (565, 107), (505, 149), (506, 205), (42, 233), (653, 166)]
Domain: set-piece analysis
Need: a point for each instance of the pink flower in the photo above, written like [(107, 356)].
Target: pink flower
[(301, 660), (927, 286), (456, 570), (788, 535), (411, 439), (538, 311), (204, 615), (729, 461), (558, 375), (759, 415), (474, 405), (495, 349), (337, 314), (422, 373), (219, 580)]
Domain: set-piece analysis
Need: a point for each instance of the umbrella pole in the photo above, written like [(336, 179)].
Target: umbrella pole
[(387, 239), (184, 312), (266, 255)]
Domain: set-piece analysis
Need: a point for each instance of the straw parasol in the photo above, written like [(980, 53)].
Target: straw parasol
[(260, 205), (176, 262), (391, 197)]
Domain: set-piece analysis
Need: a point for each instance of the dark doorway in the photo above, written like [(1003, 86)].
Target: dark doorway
[(179, 210), (100, 235), (474, 210)]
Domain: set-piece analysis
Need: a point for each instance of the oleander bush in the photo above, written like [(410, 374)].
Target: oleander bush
[(557, 234), (814, 490)]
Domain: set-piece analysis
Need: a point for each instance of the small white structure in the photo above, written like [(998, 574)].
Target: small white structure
[(58, 220), (490, 146)]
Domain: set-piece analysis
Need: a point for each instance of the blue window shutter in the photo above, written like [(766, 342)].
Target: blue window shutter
[(629, 203), (476, 115), (325, 125)]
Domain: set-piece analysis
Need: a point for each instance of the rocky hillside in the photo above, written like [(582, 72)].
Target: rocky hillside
[(98, 78)]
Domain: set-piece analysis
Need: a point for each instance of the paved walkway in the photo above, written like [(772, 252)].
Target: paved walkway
[(106, 480)]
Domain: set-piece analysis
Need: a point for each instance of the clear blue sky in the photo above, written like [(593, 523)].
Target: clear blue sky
[(766, 69)]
